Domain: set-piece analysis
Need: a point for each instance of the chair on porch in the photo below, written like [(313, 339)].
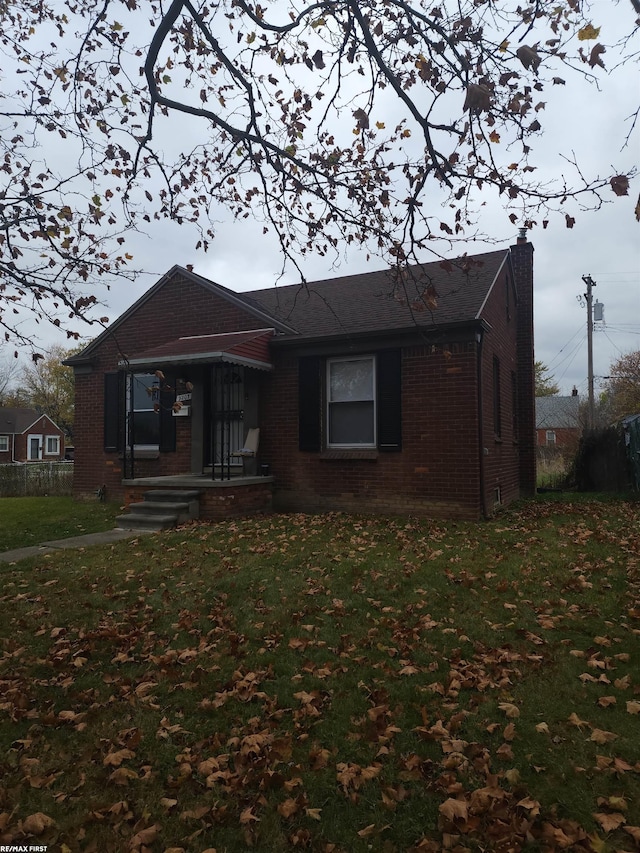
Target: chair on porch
[(249, 451)]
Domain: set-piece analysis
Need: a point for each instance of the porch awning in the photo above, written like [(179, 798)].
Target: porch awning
[(249, 348)]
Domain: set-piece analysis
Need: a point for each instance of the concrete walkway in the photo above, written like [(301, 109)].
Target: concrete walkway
[(104, 538)]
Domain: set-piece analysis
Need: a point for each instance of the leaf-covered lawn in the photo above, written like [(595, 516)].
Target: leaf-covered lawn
[(329, 683)]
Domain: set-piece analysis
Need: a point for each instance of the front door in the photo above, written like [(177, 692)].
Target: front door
[(34, 448)]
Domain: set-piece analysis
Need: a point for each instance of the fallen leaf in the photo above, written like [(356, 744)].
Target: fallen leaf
[(600, 736), (609, 822), (453, 809), (115, 759), (37, 823), (633, 707), (247, 816), (288, 807), (144, 837), (313, 813), (512, 711), (575, 720)]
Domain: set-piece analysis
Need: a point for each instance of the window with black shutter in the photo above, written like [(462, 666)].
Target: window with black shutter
[(389, 375), (363, 402), (309, 408), (114, 411)]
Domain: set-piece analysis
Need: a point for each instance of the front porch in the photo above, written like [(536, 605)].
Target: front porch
[(217, 500)]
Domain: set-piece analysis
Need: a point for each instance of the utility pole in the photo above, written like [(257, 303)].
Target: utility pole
[(589, 297)]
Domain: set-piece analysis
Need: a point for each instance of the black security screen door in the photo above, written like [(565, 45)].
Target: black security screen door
[(224, 414)]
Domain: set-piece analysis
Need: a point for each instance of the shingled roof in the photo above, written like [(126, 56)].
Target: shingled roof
[(428, 296), (558, 412), (16, 421)]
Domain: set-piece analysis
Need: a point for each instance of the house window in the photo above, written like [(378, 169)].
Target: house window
[(551, 436), (351, 403), (144, 405), (52, 445), (497, 413), (4, 443)]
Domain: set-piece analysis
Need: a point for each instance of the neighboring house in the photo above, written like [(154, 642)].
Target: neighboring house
[(558, 421), (27, 436), (370, 395)]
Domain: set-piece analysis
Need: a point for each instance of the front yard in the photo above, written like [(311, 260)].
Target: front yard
[(32, 520), (329, 683)]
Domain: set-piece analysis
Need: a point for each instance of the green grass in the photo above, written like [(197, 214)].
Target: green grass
[(329, 683), (30, 521)]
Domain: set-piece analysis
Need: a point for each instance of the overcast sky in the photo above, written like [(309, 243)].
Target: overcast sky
[(604, 244)]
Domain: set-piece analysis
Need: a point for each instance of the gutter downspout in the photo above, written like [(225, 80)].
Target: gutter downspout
[(481, 465)]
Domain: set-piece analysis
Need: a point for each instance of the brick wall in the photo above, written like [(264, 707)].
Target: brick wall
[(437, 470), (179, 308)]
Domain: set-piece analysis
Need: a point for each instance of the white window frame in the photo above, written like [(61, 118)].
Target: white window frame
[(52, 438), (551, 437), (4, 443), (329, 402)]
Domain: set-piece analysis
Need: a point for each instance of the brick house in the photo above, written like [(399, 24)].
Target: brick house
[(29, 436), (558, 423), (369, 394)]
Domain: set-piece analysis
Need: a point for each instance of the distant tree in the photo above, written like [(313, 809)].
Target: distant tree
[(9, 368), (48, 386), (545, 386), (623, 387), (383, 125)]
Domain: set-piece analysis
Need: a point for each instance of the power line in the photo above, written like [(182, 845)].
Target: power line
[(580, 329)]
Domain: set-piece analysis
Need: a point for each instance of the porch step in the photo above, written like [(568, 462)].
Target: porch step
[(160, 509)]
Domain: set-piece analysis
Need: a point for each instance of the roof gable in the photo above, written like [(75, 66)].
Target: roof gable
[(177, 271), (17, 421)]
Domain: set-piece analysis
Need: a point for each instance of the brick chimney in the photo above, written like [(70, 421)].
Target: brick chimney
[(522, 261)]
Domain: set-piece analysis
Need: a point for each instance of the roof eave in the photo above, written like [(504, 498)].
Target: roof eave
[(455, 325), (196, 358)]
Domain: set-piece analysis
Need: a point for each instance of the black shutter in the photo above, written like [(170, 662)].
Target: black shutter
[(113, 411), (167, 421), (389, 400), (309, 421)]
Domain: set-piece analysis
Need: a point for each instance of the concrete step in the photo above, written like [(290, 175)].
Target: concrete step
[(172, 495), (160, 509), (140, 521), (180, 509)]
